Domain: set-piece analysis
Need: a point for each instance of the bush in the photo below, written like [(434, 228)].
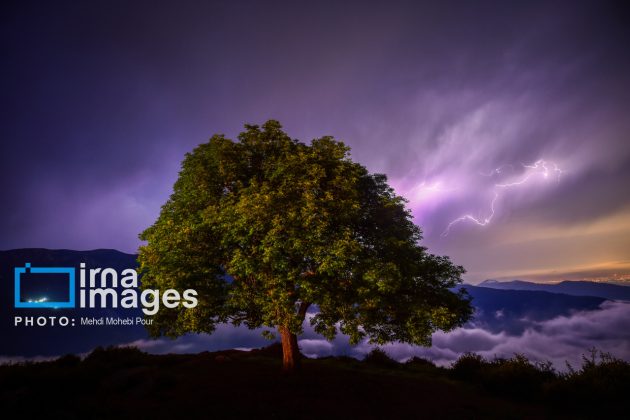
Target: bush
[(602, 381), (416, 361), (517, 377), (422, 366), (469, 367), (378, 357)]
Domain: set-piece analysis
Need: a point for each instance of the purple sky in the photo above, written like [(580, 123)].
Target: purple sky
[(102, 99)]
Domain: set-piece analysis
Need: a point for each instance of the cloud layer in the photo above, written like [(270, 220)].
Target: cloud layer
[(559, 340)]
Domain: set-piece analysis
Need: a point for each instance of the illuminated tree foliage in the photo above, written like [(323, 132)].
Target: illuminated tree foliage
[(266, 227)]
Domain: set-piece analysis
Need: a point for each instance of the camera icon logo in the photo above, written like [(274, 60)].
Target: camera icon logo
[(43, 302)]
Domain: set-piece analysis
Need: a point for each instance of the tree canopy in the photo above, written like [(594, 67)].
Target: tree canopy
[(266, 226)]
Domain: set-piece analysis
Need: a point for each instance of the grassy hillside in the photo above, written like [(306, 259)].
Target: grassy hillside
[(126, 383)]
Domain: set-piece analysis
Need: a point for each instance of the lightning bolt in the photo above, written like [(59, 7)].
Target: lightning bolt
[(540, 167), (497, 171), (469, 217)]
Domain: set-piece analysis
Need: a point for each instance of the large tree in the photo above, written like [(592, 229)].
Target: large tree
[(266, 227)]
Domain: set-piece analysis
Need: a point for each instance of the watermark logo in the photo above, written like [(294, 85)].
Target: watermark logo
[(97, 288)]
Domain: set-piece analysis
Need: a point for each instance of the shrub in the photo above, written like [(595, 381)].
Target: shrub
[(602, 381), (517, 377), (421, 365), (469, 367), (419, 362), (379, 358)]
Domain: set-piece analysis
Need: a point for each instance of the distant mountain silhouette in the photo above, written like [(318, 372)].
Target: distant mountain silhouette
[(575, 288), (513, 311)]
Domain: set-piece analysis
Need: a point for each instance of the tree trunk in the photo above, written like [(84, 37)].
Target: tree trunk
[(290, 350)]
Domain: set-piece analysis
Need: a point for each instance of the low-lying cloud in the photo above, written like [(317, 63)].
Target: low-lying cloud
[(559, 340)]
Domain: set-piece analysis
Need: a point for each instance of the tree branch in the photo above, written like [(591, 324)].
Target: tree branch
[(302, 310)]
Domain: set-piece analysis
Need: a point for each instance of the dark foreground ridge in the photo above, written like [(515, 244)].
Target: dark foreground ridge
[(127, 383)]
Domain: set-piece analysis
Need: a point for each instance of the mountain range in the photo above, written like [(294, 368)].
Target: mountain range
[(574, 288)]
